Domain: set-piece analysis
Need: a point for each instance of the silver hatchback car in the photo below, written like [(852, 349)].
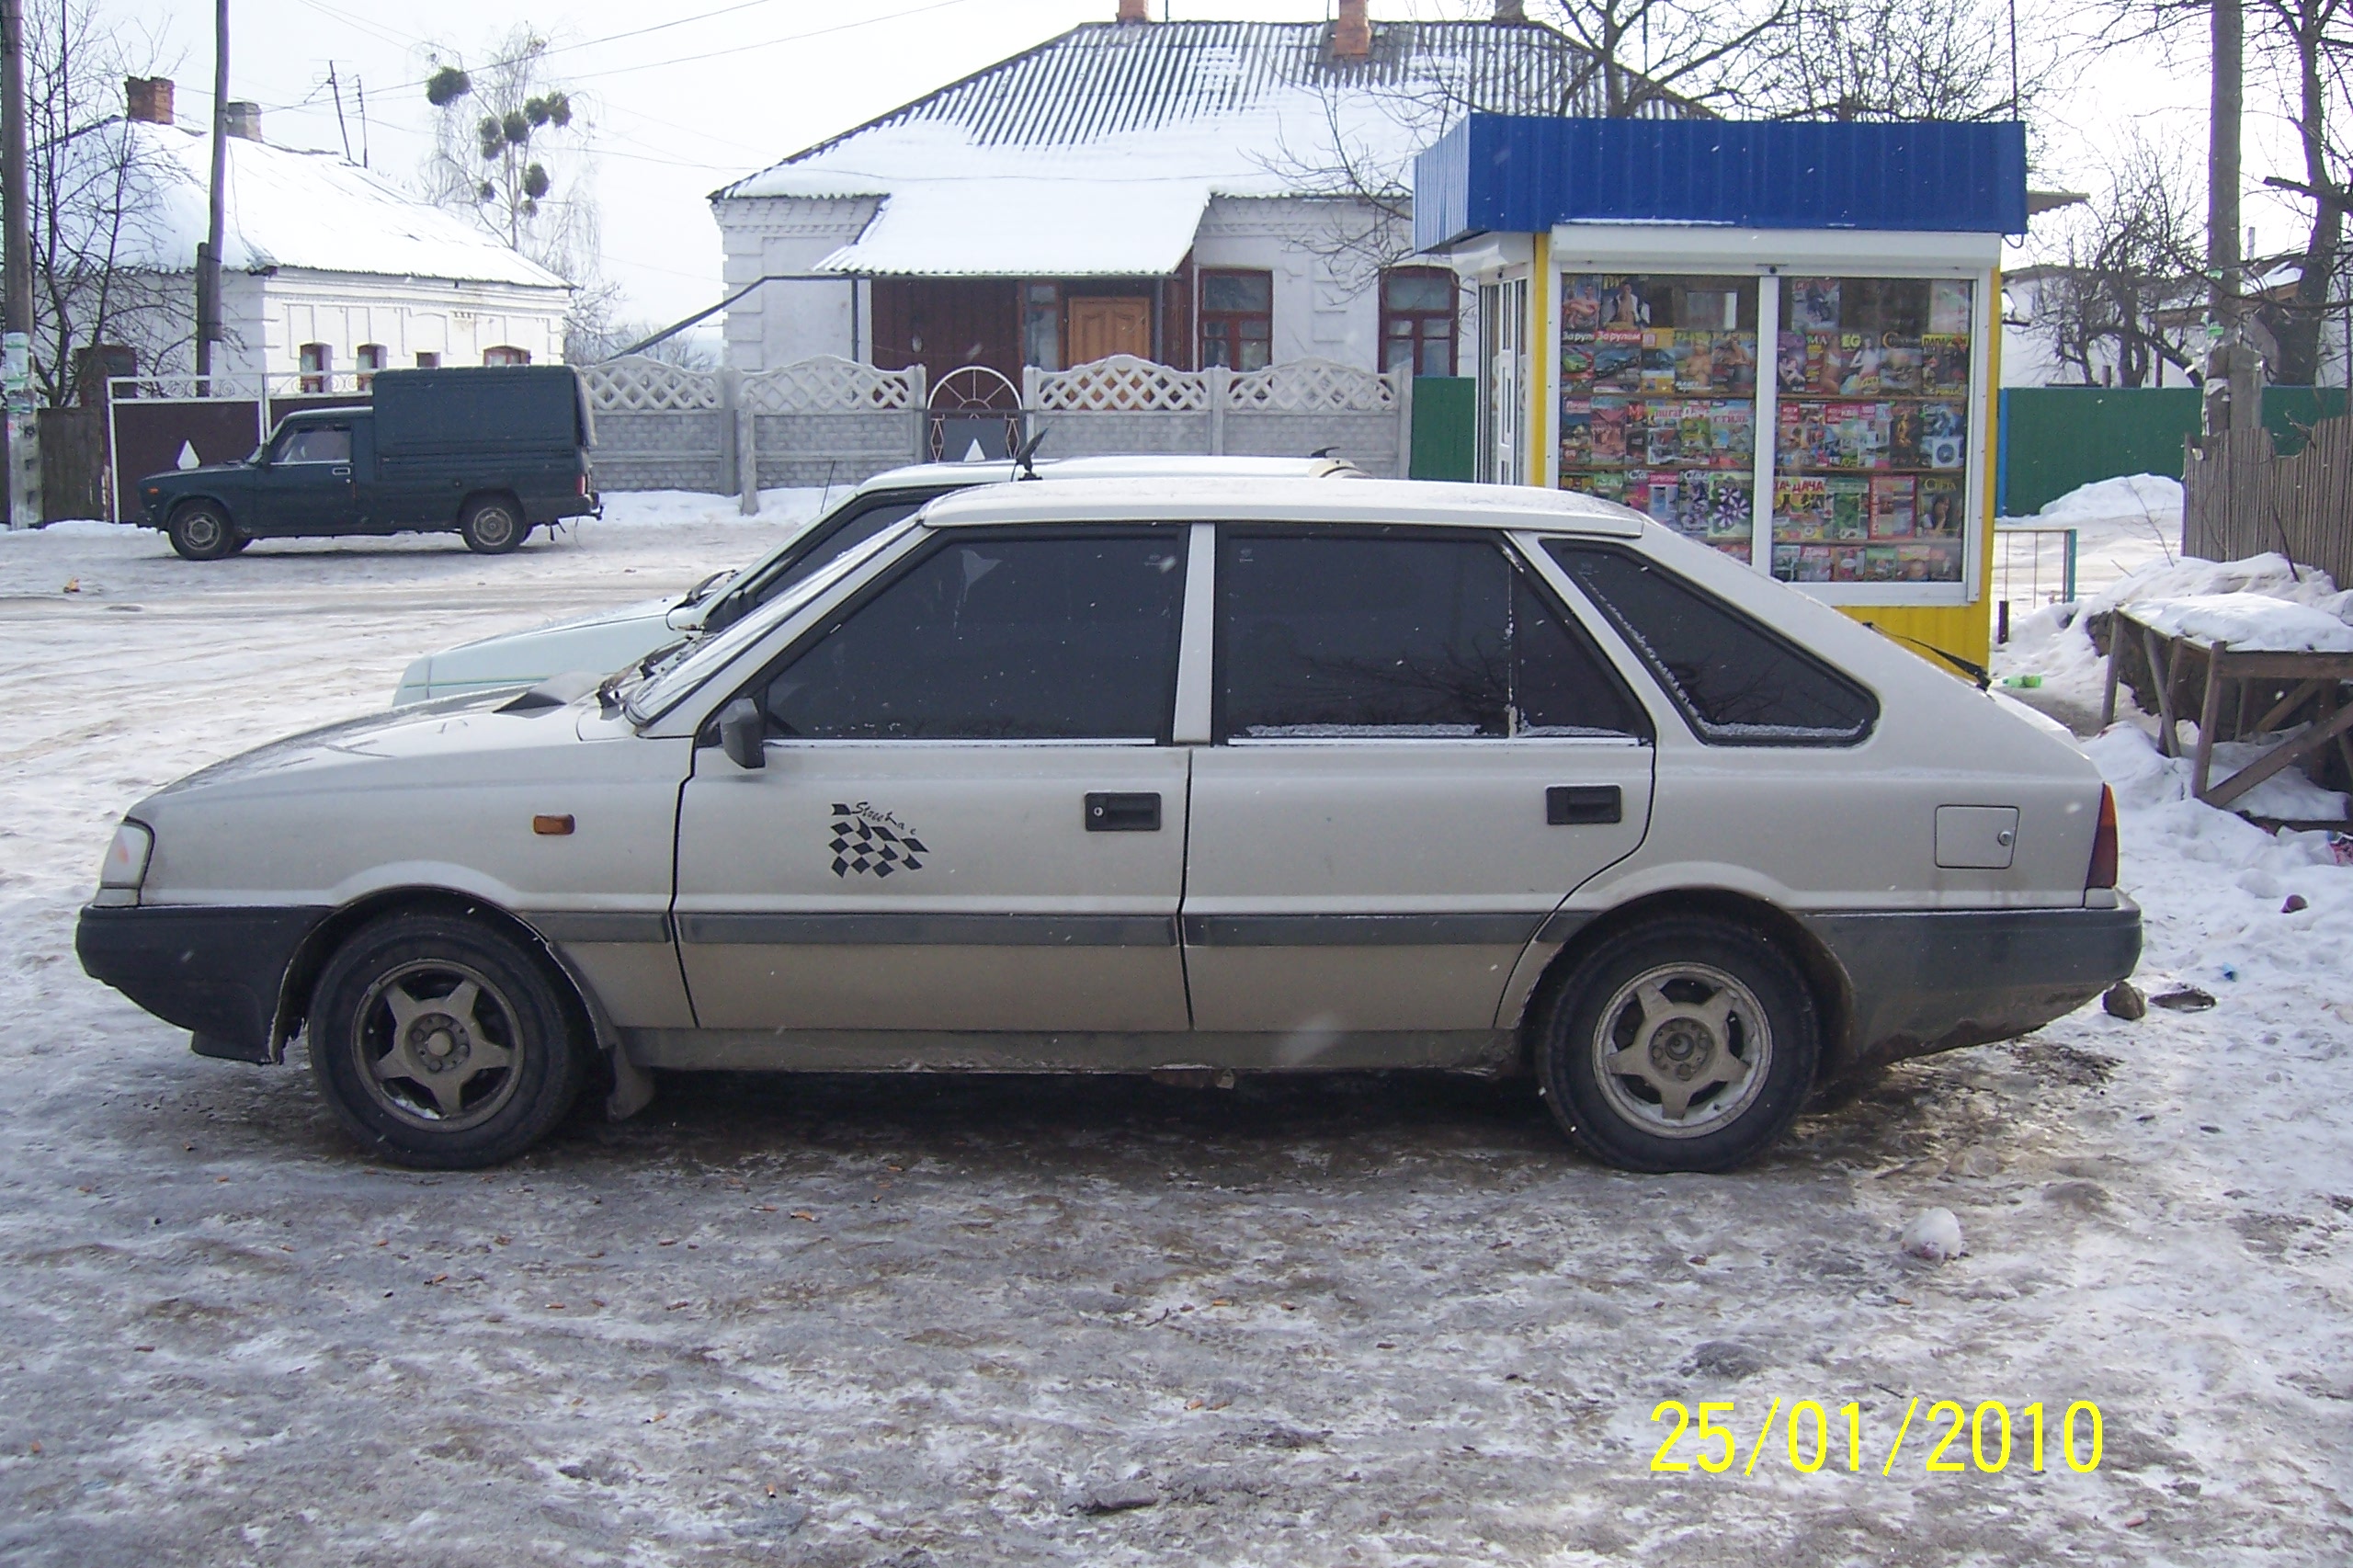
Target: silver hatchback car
[(1246, 774)]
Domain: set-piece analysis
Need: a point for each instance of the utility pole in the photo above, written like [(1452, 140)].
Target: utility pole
[(207, 258), (16, 279), (360, 86), (341, 129), (2233, 393)]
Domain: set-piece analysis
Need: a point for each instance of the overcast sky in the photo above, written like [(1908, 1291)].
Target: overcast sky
[(687, 96)]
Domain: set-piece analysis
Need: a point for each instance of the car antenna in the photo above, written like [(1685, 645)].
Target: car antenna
[(1025, 457), (1976, 672), (1326, 453)]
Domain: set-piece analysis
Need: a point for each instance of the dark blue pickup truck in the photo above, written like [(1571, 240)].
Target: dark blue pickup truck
[(489, 452)]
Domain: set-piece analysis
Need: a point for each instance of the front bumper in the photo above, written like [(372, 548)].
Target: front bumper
[(1921, 982), (214, 972)]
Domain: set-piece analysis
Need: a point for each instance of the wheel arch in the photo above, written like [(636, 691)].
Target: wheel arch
[(586, 1014), (202, 498), (1826, 978), (492, 492)]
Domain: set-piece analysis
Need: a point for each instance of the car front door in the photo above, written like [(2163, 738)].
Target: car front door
[(1420, 755), (970, 816), (307, 488)]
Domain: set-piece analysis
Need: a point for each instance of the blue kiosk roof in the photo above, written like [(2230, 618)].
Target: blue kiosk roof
[(1519, 174)]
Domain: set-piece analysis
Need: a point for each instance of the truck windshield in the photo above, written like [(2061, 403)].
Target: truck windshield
[(669, 683)]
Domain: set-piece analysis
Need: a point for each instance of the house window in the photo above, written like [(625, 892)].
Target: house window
[(318, 368), (370, 358), (1041, 326), (427, 360), (1237, 319), (1417, 321), (505, 354)]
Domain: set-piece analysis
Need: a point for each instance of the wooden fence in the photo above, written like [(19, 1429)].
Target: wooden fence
[(2240, 498)]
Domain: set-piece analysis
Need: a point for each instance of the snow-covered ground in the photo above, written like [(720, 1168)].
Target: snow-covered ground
[(1362, 1319)]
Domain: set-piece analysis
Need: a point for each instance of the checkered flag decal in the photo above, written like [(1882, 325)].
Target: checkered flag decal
[(869, 847)]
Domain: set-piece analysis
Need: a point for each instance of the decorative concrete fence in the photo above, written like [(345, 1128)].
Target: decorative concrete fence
[(832, 421)]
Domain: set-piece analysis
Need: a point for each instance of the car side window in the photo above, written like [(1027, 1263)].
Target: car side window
[(1399, 635), (819, 549), (1736, 681), (315, 444), (1071, 638)]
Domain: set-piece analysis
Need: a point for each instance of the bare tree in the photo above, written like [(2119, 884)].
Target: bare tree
[(92, 181), (2128, 294), (1665, 56), (2300, 44), (1902, 59)]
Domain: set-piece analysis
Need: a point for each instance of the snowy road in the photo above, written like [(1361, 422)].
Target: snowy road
[(1354, 1321)]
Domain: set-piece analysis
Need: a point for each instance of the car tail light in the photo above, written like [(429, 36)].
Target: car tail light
[(2103, 871), (584, 486)]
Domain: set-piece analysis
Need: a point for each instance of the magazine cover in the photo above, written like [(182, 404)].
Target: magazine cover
[(1735, 369), (1785, 563), (1617, 361), (1927, 563), (1663, 433), (1820, 435), (1860, 369), (1899, 366), (1880, 564), (1944, 365), (1608, 433), (1817, 564), (1694, 515), (1581, 304), (1798, 506), (1788, 365), (1695, 361), (1698, 434), (1731, 434), (1576, 432), (1609, 485), (1623, 309), (1949, 306), (1944, 428), (1665, 502), (1816, 299), (1904, 435), (1576, 363), (1850, 433), (1737, 549), (1658, 361), (1938, 514), (1892, 506), (1849, 508), (1635, 490), (1728, 512)]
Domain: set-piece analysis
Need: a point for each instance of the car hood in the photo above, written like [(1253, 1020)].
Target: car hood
[(182, 475), (643, 610)]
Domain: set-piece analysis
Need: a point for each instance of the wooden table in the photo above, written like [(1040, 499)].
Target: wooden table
[(2308, 677)]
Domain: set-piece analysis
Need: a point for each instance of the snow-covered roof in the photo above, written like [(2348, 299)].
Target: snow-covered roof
[(286, 209), (1096, 151)]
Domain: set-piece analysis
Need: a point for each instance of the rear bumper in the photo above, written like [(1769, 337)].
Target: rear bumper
[(214, 972), (1928, 981)]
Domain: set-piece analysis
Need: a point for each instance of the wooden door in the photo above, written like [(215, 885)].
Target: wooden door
[(1101, 325)]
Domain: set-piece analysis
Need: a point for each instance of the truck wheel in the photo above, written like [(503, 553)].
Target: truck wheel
[(492, 525), (439, 1043), (1686, 1043), (201, 531)]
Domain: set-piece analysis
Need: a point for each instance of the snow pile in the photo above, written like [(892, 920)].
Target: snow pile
[(2272, 574), (2122, 527), (1934, 1237), (2129, 760), (2248, 623)]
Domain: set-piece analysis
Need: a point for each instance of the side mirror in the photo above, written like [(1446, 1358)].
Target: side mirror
[(743, 733)]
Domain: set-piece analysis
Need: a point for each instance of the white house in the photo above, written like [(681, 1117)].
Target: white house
[(1195, 193), (328, 269)]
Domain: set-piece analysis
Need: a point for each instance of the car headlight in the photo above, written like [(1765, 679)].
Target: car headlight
[(125, 867)]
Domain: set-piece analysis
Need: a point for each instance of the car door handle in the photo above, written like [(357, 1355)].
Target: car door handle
[(342, 470), (1573, 805), (1118, 812)]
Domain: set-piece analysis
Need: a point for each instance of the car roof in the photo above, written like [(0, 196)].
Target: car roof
[(933, 476), (308, 416), (1417, 503)]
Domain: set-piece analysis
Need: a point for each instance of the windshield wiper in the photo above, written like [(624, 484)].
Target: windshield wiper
[(609, 689)]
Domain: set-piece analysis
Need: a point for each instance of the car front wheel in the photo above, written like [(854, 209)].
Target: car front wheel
[(201, 531), (492, 525), (1686, 1043), (441, 1043)]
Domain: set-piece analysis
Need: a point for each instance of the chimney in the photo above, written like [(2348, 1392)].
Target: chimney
[(1352, 35), (1511, 10), (244, 119), (149, 99), (1135, 10)]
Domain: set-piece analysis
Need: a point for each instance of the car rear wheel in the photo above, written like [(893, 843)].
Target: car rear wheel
[(201, 531), (1686, 1043), (439, 1043), (492, 525)]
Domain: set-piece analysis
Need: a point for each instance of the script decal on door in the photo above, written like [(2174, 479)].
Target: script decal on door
[(872, 843)]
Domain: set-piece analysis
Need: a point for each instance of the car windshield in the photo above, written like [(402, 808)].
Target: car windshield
[(688, 664)]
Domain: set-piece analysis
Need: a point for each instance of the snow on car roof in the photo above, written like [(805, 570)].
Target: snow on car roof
[(1215, 498), (1133, 466)]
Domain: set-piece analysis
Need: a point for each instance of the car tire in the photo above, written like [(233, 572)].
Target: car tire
[(1685, 1043), (201, 531), (491, 525), (441, 1043)]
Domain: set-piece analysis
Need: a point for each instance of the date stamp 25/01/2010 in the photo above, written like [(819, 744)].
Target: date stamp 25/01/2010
[(1812, 1434)]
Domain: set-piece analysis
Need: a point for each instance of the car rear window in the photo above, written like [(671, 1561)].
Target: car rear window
[(1737, 682)]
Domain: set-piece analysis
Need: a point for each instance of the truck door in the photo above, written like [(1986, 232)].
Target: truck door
[(307, 488)]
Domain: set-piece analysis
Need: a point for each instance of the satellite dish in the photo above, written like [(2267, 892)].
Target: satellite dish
[(188, 458)]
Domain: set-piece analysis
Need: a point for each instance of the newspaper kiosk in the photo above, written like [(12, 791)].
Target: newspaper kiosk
[(1779, 339)]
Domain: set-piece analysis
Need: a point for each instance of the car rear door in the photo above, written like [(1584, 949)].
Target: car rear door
[(970, 817), (1418, 754)]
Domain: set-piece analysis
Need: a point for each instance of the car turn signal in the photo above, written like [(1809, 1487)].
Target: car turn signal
[(2104, 848), (551, 827)]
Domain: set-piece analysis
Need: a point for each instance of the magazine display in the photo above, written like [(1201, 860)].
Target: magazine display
[(1871, 434), (1658, 390)]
